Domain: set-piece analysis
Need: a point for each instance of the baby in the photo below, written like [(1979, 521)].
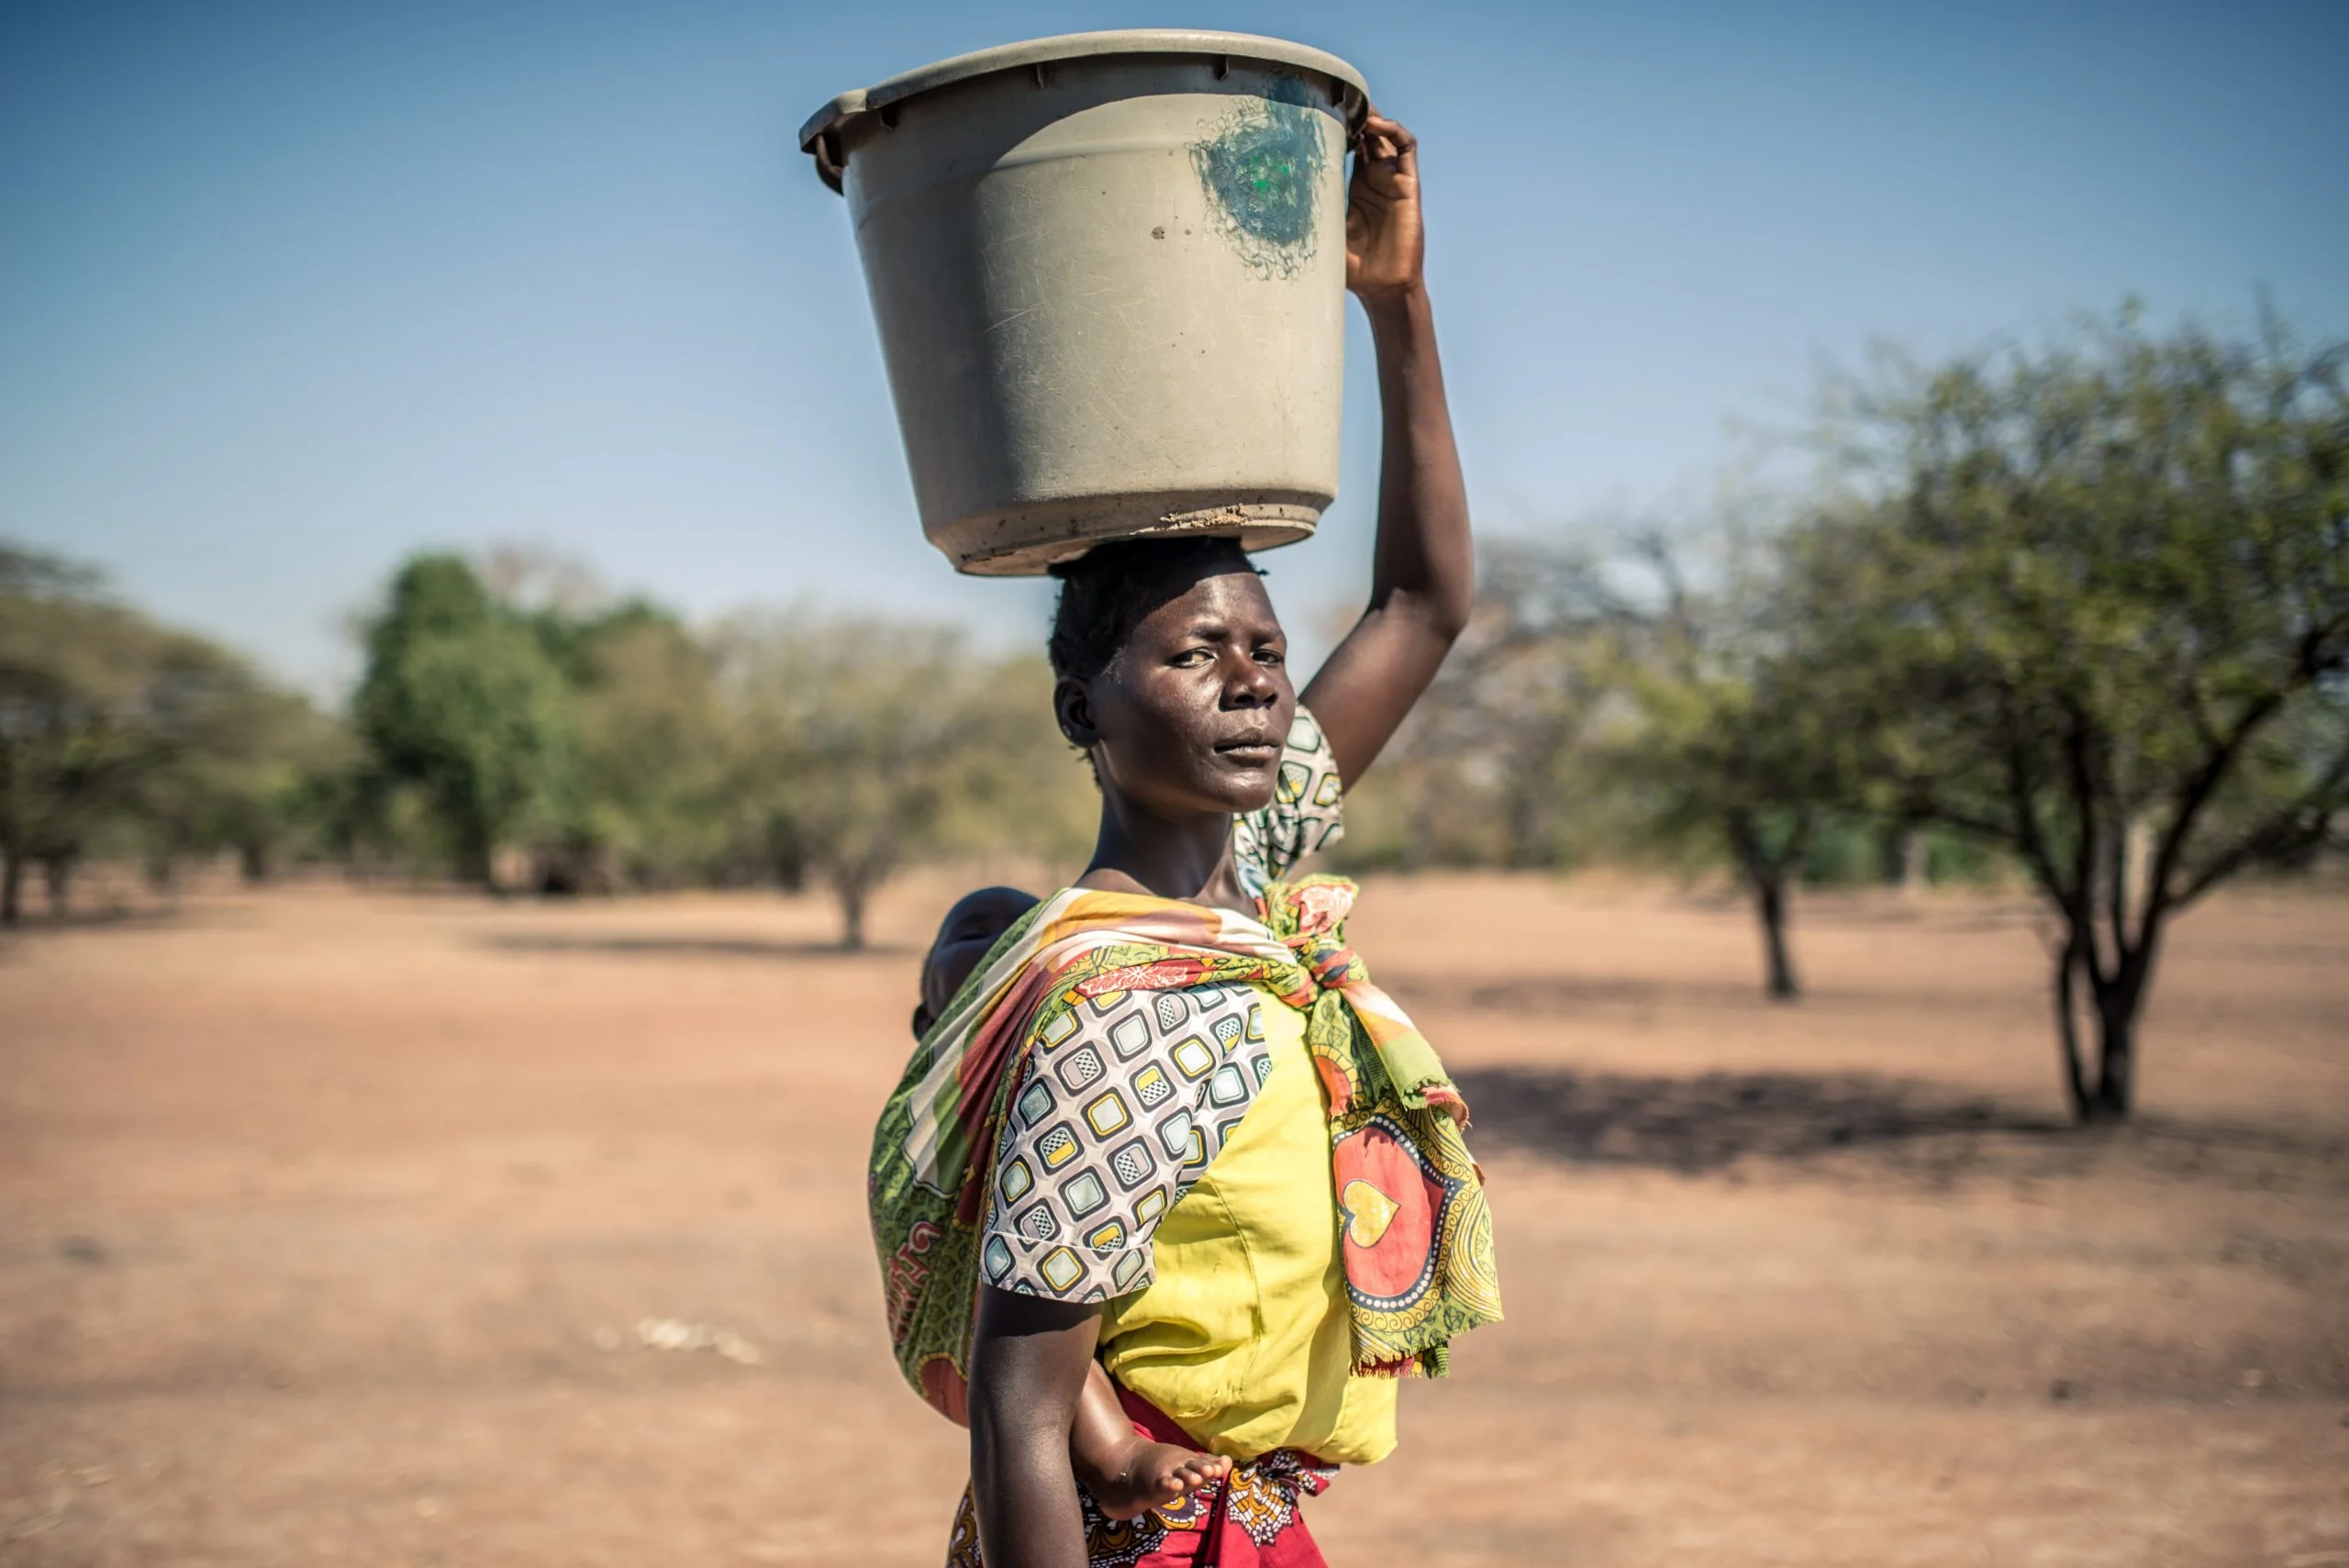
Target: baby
[(1124, 1470)]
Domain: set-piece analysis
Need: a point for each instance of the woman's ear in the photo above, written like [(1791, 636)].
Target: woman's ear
[(1073, 708)]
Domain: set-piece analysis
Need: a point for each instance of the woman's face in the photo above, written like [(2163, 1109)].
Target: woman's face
[(1190, 717)]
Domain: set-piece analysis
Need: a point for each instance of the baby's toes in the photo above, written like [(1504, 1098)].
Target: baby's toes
[(1205, 1471), (1168, 1481)]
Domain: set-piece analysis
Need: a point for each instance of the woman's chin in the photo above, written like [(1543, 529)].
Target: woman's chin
[(1220, 787), (1245, 793)]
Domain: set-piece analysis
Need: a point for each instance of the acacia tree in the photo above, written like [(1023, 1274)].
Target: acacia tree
[(1634, 689), (236, 778), (109, 721), (2100, 615), (865, 744), (1734, 755)]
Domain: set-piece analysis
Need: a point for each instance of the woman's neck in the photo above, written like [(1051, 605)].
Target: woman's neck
[(1186, 858)]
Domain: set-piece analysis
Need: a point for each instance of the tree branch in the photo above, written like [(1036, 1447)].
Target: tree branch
[(2025, 834), (2302, 825), (2194, 795)]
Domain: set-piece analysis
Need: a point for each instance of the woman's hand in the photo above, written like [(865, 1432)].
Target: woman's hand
[(1385, 244)]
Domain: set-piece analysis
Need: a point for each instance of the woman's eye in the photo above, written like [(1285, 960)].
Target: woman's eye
[(1192, 658), (1271, 656)]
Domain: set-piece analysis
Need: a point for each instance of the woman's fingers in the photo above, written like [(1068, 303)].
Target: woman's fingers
[(1387, 139), (1386, 153)]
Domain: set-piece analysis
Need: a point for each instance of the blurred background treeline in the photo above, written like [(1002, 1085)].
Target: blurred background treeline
[(2071, 616)]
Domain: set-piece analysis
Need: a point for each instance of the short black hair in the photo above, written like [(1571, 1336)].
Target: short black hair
[(1109, 591)]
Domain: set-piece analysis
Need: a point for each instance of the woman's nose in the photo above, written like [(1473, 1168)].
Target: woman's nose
[(1250, 685)]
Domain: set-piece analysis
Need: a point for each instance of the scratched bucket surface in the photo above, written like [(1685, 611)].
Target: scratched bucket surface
[(1109, 276)]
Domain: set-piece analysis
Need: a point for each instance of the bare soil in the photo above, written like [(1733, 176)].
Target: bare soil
[(333, 1225)]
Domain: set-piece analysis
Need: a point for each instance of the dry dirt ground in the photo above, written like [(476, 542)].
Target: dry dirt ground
[(327, 1223)]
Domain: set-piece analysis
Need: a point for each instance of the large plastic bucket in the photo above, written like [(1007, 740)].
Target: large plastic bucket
[(1109, 276)]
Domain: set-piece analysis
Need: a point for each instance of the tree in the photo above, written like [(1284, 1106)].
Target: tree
[(653, 741), (236, 782), (2098, 608), (865, 744), (461, 700), (108, 720), (1733, 756)]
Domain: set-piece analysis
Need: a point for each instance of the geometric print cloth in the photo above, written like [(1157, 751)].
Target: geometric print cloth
[(1117, 1118), (1126, 1098)]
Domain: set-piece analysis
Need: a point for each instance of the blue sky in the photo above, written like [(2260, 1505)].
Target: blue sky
[(289, 290)]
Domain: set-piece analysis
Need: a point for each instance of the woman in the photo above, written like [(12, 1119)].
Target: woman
[(1168, 1129)]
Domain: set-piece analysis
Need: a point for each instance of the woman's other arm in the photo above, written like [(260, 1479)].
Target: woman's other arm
[(1423, 573), (1028, 1363)]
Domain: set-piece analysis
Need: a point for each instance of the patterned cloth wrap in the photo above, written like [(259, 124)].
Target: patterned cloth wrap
[(1250, 1519), (1418, 1250)]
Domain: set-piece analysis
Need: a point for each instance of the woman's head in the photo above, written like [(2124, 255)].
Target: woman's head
[(1173, 673)]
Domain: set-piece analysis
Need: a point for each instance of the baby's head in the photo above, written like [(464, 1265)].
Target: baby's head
[(1173, 674), (963, 937)]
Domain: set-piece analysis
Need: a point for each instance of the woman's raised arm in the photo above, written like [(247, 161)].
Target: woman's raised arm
[(1424, 574)]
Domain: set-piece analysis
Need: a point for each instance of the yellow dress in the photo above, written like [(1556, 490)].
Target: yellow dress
[(1250, 1295)]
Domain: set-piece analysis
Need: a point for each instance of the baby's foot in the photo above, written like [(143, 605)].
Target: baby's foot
[(1155, 1475)]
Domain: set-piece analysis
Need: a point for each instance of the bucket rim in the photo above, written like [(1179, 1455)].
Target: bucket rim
[(1031, 52)]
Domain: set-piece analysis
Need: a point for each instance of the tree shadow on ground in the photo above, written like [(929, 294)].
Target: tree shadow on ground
[(1708, 1122), (1552, 995), (624, 944), (1900, 1126), (131, 917)]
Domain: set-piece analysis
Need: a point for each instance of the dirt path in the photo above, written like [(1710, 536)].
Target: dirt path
[(328, 1225)]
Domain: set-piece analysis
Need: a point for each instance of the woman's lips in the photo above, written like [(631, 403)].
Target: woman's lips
[(1249, 750)]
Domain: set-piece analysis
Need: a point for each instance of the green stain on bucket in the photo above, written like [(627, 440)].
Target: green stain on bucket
[(1261, 168)]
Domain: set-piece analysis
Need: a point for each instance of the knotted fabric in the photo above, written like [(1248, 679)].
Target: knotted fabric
[(1417, 1249)]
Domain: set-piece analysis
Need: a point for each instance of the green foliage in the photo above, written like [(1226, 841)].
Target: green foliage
[(585, 745), (654, 746), (461, 700), (112, 725), (862, 744), (1734, 757), (2096, 611)]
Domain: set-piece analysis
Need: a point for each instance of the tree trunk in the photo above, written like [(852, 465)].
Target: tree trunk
[(852, 895), (12, 887), (2118, 1009), (2116, 1061), (1770, 903), (1912, 865), (2116, 1003), (56, 878), (2068, 964)]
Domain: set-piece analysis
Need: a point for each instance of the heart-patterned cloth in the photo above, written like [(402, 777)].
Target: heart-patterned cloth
[(1418, 1251)]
